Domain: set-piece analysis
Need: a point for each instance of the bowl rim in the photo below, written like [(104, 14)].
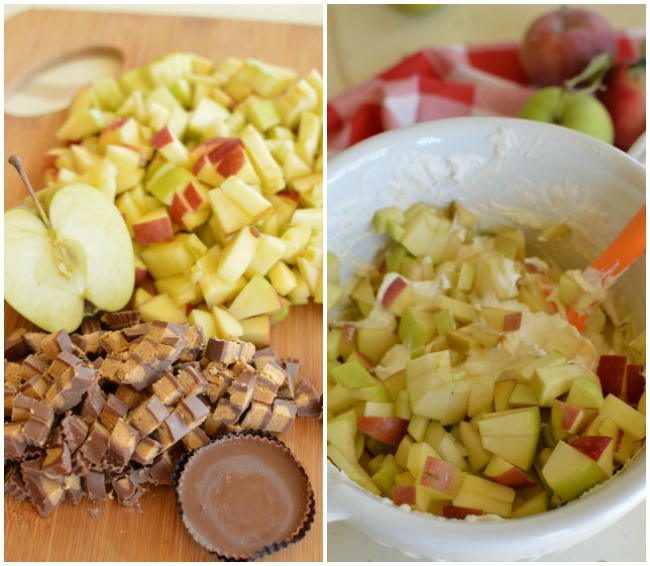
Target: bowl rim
[(347, 159)]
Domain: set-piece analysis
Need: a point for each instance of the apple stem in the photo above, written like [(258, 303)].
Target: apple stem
[(15, 161)]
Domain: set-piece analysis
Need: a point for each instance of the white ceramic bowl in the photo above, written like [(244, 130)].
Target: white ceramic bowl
[(509, 171)]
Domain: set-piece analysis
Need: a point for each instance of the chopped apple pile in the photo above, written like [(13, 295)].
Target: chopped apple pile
[(456, 385), (217, 172)]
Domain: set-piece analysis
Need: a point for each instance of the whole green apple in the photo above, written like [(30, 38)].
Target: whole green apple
[(580, 112)]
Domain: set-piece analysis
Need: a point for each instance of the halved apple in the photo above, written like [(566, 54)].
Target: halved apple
[(85, 254)]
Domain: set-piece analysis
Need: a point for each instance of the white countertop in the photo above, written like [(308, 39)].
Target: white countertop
[(364, 40)]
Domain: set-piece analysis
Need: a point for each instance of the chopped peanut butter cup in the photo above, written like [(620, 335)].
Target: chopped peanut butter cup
[(243, 496)]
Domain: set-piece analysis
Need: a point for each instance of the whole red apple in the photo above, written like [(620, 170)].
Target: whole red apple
[(558, 45), (624, 98)]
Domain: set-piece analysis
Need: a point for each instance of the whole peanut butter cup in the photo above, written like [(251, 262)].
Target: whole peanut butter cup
[(243, 496)]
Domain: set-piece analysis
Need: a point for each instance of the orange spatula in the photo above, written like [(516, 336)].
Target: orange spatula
[(620, 253)]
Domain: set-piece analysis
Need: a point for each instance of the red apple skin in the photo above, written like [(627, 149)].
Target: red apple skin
[(228, 157), (624, 97), (635, 382), (140, 276), (611, 372), (592, 446), (178, 209), (559, 45), (393, 291), (512, 321), (161, 138), (514, 477), (291, 195), (455, 512), (154, 232), (388, 430), (404, 494), (439, 475)]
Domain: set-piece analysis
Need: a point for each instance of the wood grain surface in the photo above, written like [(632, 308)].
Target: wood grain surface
[(152, 530)]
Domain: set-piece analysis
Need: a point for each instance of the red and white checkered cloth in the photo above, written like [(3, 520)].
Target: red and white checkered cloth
[(480, 80)]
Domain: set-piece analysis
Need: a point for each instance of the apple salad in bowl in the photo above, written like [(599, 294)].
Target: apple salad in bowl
[(473, 371)]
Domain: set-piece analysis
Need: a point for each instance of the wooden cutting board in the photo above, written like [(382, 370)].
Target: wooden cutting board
[(152, 530)]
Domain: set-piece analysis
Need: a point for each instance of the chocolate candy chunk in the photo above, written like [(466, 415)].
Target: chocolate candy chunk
[(226, 413), (308, 401), (148, 416), (134, 332), (10, 395), (39, 424), (88, 343), (14, 484), (191, 379), (95, 483), (284, 413), (168, 389), (96, 443), (195, 342), (129, 396), (36, 387), (15, 443), (74, 491), (15, 346), (57, 461), (68, 389), (114, 409), (172, 430), (269, 380), (146, 450), (264, 356), (292, 371), (53, 344), (24, 406), (246, 351), (241, 390), (74, 430), (219, 380), (33, 340), (193, 410), (223, 351), (195, 439), (244, 512), (46, 494), (111, 365), (90, 325), (122, 319), (137, 373), (257, 417), (127, 491), (34, 365), (13, 374), (213, 426), (93, 404), (61, 363), (114, 342), (122, 443), (161, 471)]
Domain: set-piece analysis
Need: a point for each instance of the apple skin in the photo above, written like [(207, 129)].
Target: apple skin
[(559, 45), (388, 430), (624, 96), (579, 112)]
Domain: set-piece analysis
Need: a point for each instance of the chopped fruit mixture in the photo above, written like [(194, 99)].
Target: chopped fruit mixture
[(216, 170), (456, 384)]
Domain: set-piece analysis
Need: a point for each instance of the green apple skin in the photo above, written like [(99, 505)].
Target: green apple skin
[(579, 112)]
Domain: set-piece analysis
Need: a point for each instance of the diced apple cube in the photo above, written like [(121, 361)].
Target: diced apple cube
[(256, 298)]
